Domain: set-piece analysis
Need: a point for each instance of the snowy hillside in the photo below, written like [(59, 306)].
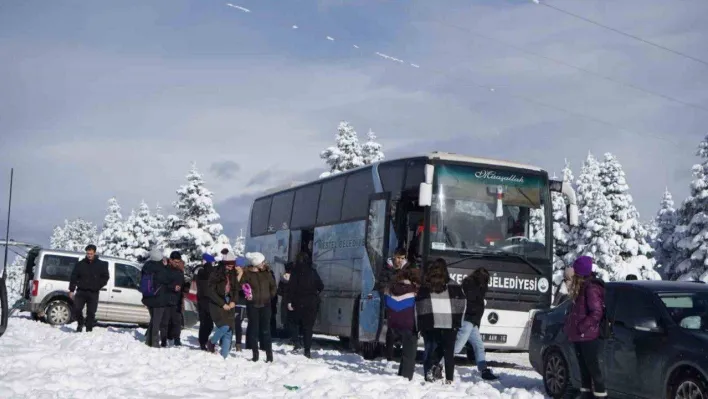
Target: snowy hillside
[(40, 361)]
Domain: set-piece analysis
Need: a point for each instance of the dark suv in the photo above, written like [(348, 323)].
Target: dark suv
[(658, 347)]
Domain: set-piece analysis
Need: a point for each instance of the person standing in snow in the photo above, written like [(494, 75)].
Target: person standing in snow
[(475, 287), (303, 298), (393, 266), (440, 307), (240, 314), (582, 326), (400, 311), (89, 276), (261, 290), (286, 316), (201, 276), (223, 297), (175, 270), (166, 284)]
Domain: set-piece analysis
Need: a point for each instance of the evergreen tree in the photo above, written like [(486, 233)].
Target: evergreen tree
[(222, 242), (561, 230), (537, 225), (347, 154), (108, 240), (240, 245), (665, 223), (141, 234), (15, 280), (74, 236), (194, 228), (595, 234), (159, 226), (371, 150), (630, 234), (691, 234)]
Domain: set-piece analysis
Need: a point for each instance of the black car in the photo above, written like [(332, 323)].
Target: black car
[(658, 347)]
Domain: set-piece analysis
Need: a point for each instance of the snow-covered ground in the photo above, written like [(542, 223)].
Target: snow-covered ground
[(40, 361)]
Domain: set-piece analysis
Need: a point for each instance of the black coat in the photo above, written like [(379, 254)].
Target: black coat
[(202, 278), (262, 287), (166, 280), (89, 276), (475, 293), (217, 296), (304, 288)]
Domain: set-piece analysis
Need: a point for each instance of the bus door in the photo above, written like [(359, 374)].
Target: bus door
[(377, 233)]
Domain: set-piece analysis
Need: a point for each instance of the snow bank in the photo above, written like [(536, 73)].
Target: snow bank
[(40, 361)]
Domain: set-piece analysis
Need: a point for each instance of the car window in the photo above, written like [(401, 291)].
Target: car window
[(127, 276), (688, 310), (634, 305), (58, 267)]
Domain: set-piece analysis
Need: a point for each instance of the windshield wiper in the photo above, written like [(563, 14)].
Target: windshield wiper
[(517, 256), (466, 255)]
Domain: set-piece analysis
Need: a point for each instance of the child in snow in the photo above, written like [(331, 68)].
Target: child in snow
[(400, 312), (582, 326)]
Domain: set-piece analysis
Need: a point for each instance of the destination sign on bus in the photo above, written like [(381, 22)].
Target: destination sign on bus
[(512, 282)]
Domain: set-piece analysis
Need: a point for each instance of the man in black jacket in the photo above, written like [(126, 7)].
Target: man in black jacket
[(303, 300), (201, 276), (89, 276)]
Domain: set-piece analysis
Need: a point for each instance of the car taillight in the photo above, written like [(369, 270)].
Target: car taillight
[(35, 287)]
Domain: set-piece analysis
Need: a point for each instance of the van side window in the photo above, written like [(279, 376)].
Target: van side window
[(127, 276), (58, 267)]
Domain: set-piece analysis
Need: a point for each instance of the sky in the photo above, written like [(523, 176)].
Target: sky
[(119, 98)]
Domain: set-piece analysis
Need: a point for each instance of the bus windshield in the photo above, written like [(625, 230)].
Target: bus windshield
[(465, 209)]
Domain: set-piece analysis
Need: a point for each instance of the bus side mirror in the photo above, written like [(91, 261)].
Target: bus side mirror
[(425, 192)]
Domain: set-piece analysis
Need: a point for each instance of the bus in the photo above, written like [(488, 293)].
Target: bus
[(472, 212)]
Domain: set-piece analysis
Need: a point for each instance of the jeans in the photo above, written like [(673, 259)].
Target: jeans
[(259, 331), (409, 341), (157, 331), (206, 324), (470, 333), (590, 362), (222, 336), (90, 300), (440, 340)]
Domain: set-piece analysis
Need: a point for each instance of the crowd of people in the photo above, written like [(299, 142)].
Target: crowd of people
[(446, 314)]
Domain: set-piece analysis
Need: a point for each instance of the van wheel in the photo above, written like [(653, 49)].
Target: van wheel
[(58, 313), (690, 387), (556, 375)]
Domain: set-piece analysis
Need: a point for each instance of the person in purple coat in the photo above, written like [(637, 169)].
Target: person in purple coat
[(582, 326)]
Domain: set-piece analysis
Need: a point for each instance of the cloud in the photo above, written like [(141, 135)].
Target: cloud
[(262, 177), (225, 170)]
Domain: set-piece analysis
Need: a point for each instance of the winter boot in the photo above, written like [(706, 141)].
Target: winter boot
[(210, 347), (238, 348), (163, 342), (177, 342), (448, 382), (437, 372), (487, 375), (269, 356), (79, 328), (308, 354)]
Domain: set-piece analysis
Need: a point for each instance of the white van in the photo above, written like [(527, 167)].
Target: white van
[(47, 274)]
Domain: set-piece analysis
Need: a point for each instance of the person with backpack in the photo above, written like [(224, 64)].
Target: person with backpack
[(303, 298), (157, 285), (259, 288), (440, 307), (475, 286), (89, 276), (584, 326), (400, 313), (223, 296), (201, 276)]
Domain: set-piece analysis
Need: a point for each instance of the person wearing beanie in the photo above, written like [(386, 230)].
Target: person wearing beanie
[(223, 297), (176, 269), (158, 301), (583, 324), (201, 276), (258, 304)]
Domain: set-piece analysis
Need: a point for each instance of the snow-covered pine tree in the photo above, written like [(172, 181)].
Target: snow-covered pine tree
[(346, 154), (537, 225), (371, 150), (240, 244), (561, 229), (595, 234), (15, 280), (112, 225), (159, 225), (141, 234), (630, 235), (74, 236), (690, 237), (194, 228), (665, 223)]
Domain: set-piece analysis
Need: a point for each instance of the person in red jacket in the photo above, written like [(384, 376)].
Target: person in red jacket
[(582, 326)]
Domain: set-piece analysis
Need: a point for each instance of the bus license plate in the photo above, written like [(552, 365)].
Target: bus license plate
[(494, 338)]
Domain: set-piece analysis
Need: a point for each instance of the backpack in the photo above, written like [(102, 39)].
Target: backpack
[(147, 285)]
